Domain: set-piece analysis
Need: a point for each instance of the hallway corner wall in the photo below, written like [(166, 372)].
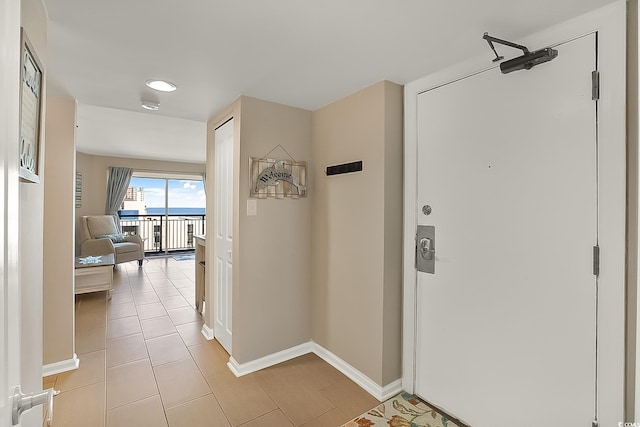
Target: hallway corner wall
[(59, 231), (357, 231), (274, 249), (271, 250)]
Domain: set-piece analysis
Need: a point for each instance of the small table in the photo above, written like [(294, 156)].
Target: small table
[(94, 273)]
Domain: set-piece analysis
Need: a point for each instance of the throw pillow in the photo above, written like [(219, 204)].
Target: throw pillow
[(115, 238)]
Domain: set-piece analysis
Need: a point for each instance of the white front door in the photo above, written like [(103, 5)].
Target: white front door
[(506, 326), (223, 234), (9, 198)]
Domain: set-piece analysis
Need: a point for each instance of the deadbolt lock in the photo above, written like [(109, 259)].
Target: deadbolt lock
[(425, 250)]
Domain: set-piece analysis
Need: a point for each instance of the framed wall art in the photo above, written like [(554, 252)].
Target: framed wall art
[(78, 189), (31, 81)]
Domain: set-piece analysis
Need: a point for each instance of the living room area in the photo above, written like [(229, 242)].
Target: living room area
[(76, 187)]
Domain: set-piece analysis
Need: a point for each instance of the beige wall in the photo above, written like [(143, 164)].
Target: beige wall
[(274, 246), (95, 169), (59, 231), (393, 215), (34, 21), (357, 234), (272, 250)]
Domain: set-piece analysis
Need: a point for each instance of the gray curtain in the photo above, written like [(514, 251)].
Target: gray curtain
[(117, 185), (204, 181)]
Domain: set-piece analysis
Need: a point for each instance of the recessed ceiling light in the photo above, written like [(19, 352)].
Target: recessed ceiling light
[(161, 85), (149, 105)]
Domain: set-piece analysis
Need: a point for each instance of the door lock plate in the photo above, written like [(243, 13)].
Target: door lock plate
[(426, 249)]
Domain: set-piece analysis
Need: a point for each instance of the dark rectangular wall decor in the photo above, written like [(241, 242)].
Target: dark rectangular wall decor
[(344, 168)]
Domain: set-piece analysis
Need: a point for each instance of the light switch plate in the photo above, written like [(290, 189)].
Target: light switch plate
[(252, 207)]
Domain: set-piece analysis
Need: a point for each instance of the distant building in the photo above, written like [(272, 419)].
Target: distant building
[(134, 194), (134, 201)]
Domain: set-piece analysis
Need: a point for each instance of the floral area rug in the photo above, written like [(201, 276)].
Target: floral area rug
[(404, 410)]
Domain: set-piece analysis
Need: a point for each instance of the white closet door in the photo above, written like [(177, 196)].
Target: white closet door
[(223, 234)]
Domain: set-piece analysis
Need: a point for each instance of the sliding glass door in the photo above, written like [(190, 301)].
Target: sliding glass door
[(165, 211)]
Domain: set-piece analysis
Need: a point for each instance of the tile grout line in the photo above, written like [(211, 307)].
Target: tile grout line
[(106, 326), (164, 408), (155, 378), (213, 394)]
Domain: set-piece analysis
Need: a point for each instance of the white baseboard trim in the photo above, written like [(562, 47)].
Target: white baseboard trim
[(207, 332), (390, 390), (62, 366), (379, 392), (241, 369)]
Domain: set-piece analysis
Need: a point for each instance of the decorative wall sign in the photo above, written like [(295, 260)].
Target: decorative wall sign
[(30, 107), (78, 189), (277, 178)]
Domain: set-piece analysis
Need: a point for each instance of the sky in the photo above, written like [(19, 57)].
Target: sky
[(182, 193)]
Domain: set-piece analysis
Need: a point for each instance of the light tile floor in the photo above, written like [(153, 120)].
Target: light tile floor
[(144, 362)]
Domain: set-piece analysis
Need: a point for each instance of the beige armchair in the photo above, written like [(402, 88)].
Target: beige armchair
[(100, 236)]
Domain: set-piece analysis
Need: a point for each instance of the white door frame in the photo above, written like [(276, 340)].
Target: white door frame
[(610, 23), (10, 370)]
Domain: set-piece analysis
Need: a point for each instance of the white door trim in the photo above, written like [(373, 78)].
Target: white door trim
[(610, 23), (10, 314)]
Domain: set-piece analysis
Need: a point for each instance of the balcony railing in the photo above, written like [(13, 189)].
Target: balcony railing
[(164, 234)]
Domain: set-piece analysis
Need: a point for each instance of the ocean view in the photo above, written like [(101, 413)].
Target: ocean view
[(161, 211), (177, 211)]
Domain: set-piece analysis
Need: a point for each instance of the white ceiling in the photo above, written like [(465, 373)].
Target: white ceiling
[(302, 53), (112, 132)]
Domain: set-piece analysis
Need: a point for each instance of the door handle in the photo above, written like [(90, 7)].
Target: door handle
[(426, 249), (22, 402)]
